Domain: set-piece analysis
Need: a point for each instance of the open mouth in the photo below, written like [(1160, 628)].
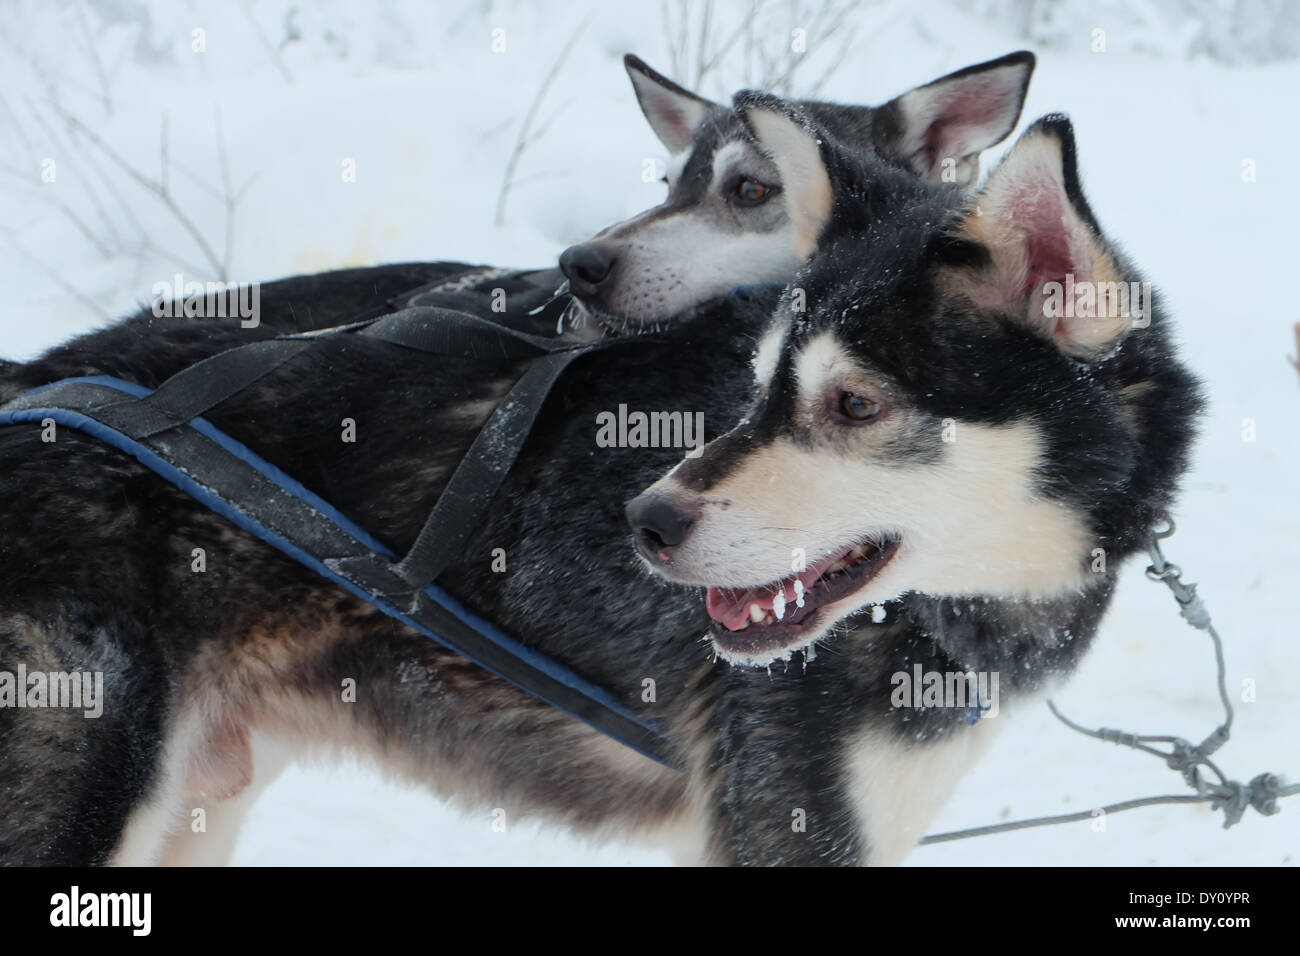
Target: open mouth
[(749, 623)]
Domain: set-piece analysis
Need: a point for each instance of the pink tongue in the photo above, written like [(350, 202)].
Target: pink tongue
[(730, 606)]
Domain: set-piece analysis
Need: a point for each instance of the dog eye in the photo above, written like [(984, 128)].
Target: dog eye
[(858, 408), (751, 191)]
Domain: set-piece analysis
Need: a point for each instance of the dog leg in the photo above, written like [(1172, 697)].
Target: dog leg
[(208, 838), (72, 776), (772, 786)]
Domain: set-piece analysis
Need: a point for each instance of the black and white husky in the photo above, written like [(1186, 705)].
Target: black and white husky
[(207, 674), (724, 224), (939, 451)]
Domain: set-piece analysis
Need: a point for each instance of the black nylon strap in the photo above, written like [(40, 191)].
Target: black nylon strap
[(194, 390), (437, 330), (450, 332), (469, 493)]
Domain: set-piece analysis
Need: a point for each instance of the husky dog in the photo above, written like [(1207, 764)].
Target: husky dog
[(211, 674), (723, 223), (936, 455)]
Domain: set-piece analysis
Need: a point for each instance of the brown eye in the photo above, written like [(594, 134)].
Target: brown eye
[(747, 190), (858, 408)]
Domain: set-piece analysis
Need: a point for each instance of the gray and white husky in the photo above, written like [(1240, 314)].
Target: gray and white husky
[(724, 224)]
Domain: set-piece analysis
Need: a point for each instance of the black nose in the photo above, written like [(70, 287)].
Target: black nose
[(658, 522), (587, 265)]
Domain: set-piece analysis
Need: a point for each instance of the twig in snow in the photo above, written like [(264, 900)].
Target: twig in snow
[(744, 28), (702, 44), (526, 136), (54, 275), (74, 156), (271, 51), (96, 62), (230, 196), (152, 186), (823, 24)]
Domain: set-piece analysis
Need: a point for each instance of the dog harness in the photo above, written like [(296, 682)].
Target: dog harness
[(164, 429)]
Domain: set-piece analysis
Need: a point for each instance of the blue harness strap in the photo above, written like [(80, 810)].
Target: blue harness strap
[(164, 430)]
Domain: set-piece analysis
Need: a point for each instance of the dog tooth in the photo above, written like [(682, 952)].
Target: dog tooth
[(778, 605), (756, 613), (837, 566), (798, 593)]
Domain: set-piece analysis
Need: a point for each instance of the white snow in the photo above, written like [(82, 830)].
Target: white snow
[(412, 97)]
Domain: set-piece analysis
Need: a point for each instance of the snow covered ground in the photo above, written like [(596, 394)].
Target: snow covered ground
[(1188, 161)]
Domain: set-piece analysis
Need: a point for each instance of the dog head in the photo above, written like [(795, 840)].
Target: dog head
[(927, 417), (723, 224)]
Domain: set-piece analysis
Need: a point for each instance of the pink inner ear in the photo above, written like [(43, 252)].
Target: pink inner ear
[(1048, 249), (963, 117), (1030, 240), (671, 120), (676, 120), (1037, 214)]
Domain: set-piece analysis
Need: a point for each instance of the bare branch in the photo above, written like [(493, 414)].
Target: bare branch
[(162, 160), (108, 222), (13, 118), (702, 43), (196, 181), (825, 22), (524, 138), (227, 193), (546, 124), (93, 55), (271, 51), (746, 24), (152, 186), (55, 276)]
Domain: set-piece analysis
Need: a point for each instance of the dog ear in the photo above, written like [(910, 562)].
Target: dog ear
[(939, 129), (1042, 238), (796, 151), (673, 112)]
